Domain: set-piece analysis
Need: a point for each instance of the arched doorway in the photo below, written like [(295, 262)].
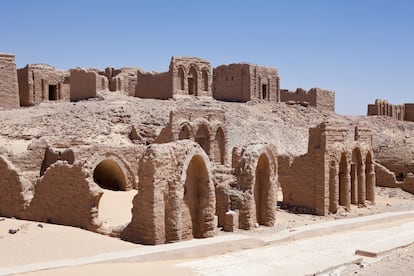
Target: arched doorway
[(261, 190), (185, 133), (204, 75), (344, 199), (115, 205), (196, 191), (193, 82), (181, 77), (109, 175), (221, 144), (202, 137)]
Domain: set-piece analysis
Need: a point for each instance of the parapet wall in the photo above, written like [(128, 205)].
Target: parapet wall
[(153, 85), (319, 98), (9, 90)]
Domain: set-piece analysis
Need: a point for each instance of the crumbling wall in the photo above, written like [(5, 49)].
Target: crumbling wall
[(84, 84), (385, 177), (154, 85), (244, 82), (41, 82), (175, 199), (257, 178), (16, 191), (252, 195), (319, 98), (9, 90), (123, 79), (65, 195), (409, 112), (383, 108), (298, 178), (126, 158), (408, 184), (53, 155)]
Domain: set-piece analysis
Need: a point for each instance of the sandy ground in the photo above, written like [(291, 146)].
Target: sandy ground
[(397, 262), (40, 242), (115, 207)]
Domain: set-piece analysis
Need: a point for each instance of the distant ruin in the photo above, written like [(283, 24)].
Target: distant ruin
[(403, 112), (186, 76), (319, 98), (41, 82), (244, 82), (85, 84)]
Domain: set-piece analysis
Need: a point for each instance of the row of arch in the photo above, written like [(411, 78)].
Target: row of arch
[(212, 141), (351, 180), (189, 80), (194, 203)]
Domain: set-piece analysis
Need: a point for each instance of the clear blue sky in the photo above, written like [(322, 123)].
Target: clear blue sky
[(362, 49)]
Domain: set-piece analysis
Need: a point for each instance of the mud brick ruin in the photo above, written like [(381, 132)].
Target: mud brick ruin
[(123, 79), (319, 98), (85, 83), (244, 82), (403, 112), (186, 76), (41, 82), (187, 177), (338, 170), (9, 89)]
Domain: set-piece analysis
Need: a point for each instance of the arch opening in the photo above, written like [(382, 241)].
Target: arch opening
[(203, 138), (221, 144), (262, 188), (205, 80), (196, 191), (185, 133), (181, 77), (192, 82), (357, 178), (108, 175)]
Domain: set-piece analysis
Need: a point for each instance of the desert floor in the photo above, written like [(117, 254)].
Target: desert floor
[(41, 242)]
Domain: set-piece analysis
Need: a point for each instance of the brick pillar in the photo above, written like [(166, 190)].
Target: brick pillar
[(370, 182), (354, 184), (361, 184), (348, 188)]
